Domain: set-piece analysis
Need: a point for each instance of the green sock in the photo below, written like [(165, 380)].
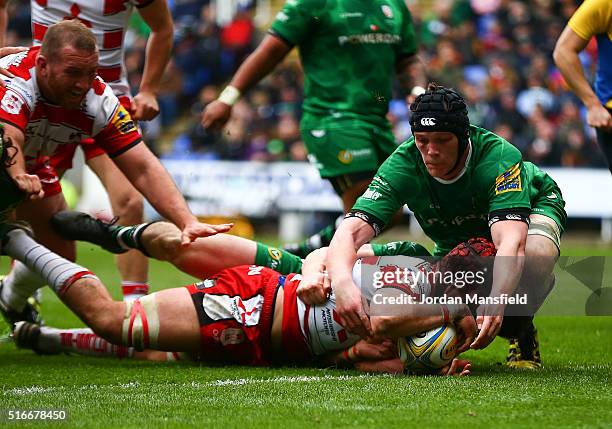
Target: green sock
[(128, 237)]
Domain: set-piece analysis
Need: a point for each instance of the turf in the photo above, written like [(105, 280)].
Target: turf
[(573, 390)]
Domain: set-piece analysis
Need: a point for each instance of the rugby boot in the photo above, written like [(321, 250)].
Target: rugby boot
[(524, 351), (74, 225)]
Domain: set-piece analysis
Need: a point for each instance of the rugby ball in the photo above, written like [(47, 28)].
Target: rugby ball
[(427, 352)]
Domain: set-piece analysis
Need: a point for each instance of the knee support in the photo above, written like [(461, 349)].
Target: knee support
[(141, 323)]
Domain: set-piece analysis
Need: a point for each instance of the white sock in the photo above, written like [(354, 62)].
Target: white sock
[(19, 285), (56, 271)]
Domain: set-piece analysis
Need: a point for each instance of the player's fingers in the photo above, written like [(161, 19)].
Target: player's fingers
[(8, 50), (365, 321), (479, 341), (224, 227), (479, 321)]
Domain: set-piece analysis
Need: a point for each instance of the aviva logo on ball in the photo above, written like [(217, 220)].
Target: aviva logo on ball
[(427, 352)]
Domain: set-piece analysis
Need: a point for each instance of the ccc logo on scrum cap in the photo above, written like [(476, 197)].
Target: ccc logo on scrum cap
[(428, 122)]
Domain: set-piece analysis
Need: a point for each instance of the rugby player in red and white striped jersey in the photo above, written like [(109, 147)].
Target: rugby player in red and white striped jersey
[(55, 99), (108, 20)]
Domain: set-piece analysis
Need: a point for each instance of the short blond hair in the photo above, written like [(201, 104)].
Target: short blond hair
[(70, 32)]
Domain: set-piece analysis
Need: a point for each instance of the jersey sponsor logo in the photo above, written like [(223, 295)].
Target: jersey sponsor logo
[(11, 102), (379, 180), (18, 58), (347, 156), (282, 16), (318, 133), (206, 284), (123, 121), (370, 39), (513, 217), (387, 11), (552, 196), (371, 194), (428, 122), (247, 312), (275, 256), (351, 15), (231, 336), (275, 253), (254, 270), (509, 180)]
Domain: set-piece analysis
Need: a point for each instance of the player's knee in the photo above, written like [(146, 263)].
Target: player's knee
[(140, 326), (539, 246), (105, 320)]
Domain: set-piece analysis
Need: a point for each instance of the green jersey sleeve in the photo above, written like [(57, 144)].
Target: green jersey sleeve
[(403, 248), (294, 21), (386, 194), (408, 46)]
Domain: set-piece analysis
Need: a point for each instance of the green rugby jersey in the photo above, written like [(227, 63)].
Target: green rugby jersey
[(348, 49), (494, 181)]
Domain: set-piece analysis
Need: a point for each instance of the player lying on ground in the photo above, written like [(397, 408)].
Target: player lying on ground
[(247, 315)]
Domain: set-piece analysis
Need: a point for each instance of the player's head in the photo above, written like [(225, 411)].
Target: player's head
[(441, 127), (67, 63), (471, 266)]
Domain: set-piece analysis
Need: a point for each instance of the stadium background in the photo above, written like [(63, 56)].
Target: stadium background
[(498, 53)]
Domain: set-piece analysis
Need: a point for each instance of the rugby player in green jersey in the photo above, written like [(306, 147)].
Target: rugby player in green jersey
[(349, 51), (461, 181)]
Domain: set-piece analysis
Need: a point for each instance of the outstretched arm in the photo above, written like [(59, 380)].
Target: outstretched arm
[(350, 236), (149, 176), (509, 237), (566, 58), (262, 61)]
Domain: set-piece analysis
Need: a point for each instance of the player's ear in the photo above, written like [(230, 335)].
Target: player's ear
[(42, 64)]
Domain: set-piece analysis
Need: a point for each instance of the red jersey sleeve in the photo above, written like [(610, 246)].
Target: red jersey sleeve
[(120, 134), (13, 108)]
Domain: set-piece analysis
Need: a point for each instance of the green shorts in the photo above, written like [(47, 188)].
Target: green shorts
[(341, 146), (277, 259)]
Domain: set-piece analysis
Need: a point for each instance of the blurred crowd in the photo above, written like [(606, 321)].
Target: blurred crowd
[(497, 53)]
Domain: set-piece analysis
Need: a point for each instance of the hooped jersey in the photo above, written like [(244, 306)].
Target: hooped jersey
[(320, 325), (46, 125), (107, 19)]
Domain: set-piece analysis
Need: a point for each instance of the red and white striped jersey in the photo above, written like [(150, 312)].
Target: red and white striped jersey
[(108, 21), (46, 125)]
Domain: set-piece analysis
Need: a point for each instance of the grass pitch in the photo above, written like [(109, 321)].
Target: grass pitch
[(573, 390)]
